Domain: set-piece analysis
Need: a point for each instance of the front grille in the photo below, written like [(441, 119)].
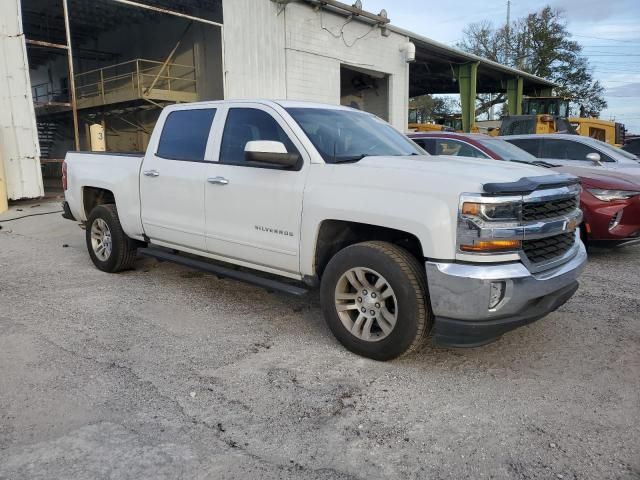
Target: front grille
[(545, 249), (554, 208)]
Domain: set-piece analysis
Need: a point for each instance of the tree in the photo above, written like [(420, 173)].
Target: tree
[(539, 44), (431, 107)]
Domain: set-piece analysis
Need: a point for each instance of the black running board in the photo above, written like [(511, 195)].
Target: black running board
[(221, 271)]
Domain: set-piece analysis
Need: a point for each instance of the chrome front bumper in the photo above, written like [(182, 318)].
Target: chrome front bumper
[(460, 296)]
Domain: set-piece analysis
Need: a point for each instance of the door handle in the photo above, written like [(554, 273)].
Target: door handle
[(151, 173), (218, 180)]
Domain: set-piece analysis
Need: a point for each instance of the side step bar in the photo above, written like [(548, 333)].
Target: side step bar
[(221, 271)]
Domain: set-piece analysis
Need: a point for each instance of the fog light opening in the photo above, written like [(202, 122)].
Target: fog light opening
[(615, 220), (496, 294)]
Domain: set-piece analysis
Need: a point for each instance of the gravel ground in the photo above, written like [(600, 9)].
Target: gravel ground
[(163, 372)]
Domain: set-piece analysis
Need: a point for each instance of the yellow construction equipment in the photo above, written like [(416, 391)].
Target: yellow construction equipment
[(603, 130)]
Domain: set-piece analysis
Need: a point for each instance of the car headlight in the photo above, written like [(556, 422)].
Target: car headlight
[(503, 212), (610, 195), (474, 216)]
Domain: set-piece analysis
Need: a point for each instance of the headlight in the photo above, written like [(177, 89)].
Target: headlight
[(610, 195), (493, 211), (476, 215)]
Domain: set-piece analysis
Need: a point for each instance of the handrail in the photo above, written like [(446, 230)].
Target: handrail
[(140, 76), (128, 62)]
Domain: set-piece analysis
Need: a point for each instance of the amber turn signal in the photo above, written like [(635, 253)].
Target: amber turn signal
[(471, 208), (489, 246)]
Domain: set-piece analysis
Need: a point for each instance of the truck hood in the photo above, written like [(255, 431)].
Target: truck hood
[(467, 174)]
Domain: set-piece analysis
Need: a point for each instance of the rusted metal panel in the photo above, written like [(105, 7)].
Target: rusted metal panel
[(18, 130)]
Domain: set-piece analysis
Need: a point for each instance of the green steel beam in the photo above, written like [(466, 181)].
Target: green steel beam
[(514, 95), (467, 76)]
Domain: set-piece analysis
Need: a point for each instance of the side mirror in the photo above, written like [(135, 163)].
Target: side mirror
[(594, 157), (270, 152)]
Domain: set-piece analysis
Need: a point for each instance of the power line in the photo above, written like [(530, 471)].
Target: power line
[(607, 39)]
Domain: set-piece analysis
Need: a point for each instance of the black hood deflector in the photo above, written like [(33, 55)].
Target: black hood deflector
[(526, 185)]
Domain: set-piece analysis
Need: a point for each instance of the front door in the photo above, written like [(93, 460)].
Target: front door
[(173, 180), (253, 212)]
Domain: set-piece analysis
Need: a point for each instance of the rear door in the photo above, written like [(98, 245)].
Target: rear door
[(253, 212), (173, 180)]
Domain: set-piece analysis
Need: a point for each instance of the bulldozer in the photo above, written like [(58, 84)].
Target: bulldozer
[(551, 115)]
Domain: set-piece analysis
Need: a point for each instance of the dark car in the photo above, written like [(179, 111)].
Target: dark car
[(632, 146), (610, 200)]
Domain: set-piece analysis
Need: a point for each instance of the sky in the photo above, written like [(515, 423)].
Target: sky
[(608, 30)]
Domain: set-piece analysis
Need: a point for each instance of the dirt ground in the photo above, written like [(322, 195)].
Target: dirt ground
[(163, 372)]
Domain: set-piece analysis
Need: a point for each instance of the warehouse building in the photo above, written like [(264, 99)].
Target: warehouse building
[(77, 74)]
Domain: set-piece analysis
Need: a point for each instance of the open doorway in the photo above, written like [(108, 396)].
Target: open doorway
[(365, 90), (129, 61)]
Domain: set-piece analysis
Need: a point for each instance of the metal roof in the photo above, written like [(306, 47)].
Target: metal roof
[(493, 73)]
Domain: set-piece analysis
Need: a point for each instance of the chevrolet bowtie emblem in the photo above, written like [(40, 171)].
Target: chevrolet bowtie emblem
[(571, 225)]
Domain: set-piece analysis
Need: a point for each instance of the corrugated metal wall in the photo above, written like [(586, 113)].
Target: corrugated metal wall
[(18, 131)]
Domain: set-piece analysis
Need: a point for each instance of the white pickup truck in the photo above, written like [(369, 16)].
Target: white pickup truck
[(288, 194)]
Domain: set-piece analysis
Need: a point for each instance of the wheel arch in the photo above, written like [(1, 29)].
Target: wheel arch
[(94, 196), (334, 235)]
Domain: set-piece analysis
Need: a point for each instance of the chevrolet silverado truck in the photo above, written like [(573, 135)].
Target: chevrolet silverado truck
[(293, 195)]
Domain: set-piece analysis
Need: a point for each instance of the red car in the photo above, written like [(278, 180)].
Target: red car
[(610, 201)]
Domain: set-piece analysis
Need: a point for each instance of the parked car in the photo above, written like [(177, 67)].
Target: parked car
[(577, 151), (632, 146), (401, 244), (610, 199)]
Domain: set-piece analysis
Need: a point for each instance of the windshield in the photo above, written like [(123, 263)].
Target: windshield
[(506, 150), (349, 135)]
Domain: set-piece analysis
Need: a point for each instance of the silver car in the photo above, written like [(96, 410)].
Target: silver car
[(576, 151)]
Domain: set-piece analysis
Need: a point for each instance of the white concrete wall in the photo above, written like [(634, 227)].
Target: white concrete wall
[(18, 131), (254, 53), (295, 53)]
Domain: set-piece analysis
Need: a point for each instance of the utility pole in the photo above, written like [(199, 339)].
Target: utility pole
[(507, 29)]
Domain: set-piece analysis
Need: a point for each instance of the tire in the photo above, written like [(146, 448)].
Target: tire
[(407, 301), (122, 252)]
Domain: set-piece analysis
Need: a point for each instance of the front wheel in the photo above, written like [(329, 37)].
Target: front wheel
[(110, 249), (374, 299)]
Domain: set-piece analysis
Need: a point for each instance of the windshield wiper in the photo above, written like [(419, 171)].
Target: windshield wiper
[(351, 159), (538, 163)]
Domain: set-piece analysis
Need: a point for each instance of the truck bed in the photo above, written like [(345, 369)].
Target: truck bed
[(116, 172)]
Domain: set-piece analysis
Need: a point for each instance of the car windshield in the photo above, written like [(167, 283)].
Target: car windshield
[(349, 135), (506, 150)]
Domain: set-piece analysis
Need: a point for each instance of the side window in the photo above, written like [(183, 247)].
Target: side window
[(566, 150), (185, 134), (428, 144), (531, 145), (245, 125), (460, 149)]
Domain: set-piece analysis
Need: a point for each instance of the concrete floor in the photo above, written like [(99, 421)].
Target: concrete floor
[(163, 372)]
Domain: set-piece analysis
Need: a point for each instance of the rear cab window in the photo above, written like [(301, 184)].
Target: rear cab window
[(185, 134)]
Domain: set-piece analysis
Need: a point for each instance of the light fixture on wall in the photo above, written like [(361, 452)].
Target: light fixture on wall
[(409, 50)]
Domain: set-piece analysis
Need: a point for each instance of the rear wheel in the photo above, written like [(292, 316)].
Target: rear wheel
[(110, 249), (374, 299)]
